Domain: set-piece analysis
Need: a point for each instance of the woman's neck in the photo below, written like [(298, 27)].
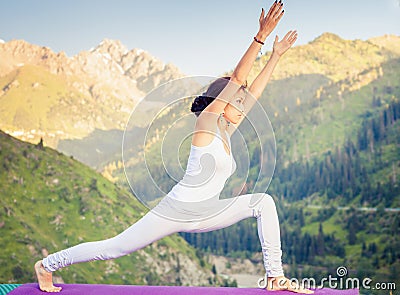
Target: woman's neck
[(223, 122)]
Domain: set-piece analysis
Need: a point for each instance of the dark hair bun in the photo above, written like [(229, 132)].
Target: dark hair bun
[(200, 103)]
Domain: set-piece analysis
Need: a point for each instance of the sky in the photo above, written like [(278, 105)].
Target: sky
[(200, 37)]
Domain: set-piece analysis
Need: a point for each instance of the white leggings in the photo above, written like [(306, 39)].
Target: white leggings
[(152, 227)]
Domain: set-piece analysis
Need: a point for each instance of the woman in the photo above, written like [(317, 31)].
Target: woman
[(219, 112)]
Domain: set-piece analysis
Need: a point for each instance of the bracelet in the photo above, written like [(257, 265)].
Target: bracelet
[(258, 41)]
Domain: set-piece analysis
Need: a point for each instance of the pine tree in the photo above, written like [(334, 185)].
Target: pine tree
[(214, 269), (320, 241), (352, 234), (40, 145)]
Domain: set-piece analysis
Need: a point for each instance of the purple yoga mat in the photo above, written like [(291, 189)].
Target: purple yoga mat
[(75, 289)]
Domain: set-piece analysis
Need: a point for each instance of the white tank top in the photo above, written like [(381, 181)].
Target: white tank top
[(207, 170)]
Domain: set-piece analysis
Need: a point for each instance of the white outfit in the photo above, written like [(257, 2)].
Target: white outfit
[(207, 170), (192, 205)]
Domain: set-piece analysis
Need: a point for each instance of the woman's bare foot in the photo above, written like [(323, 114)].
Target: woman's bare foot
[(45, 278), (282, 283)]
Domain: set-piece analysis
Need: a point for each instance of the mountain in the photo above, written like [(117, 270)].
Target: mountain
[(388, 42), (317, 109), (49, 95), (333, 57), (94, 91), (326, 82), (50, 201)]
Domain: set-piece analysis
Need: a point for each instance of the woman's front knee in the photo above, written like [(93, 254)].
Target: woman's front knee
[(266, 202)]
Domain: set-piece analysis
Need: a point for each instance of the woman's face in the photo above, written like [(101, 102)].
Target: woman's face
[(234, 110)]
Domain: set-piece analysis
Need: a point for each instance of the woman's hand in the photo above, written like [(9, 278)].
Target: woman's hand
[(280, 47), (269, 22)]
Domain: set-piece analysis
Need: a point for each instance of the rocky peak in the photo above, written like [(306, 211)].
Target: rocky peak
[(109, 79), (113, 49), (16, 53), (21, 47)]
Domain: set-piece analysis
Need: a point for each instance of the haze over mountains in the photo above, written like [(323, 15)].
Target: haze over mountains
[(80, 105), (49, 95)]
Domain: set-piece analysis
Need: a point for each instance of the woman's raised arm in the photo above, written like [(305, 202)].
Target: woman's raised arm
[(267, 25), (259, 84)]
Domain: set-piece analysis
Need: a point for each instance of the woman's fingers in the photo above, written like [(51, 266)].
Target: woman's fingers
[(275, 10), (271, 9), (292, 37), (287, 35), (278, 9), (280, 47), (268, 22), (280, 16), (262, 15)]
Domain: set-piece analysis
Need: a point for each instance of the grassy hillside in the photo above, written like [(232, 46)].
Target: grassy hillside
[(42, 104), (333, 57), (28, 95), (51, 202), (96, 150), (331, 114)]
